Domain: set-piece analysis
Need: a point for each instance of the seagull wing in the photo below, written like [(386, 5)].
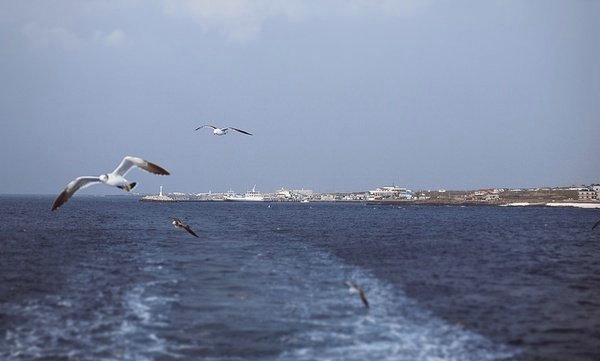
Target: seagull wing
[(239, 130), (596, 224), (206, 125), (129, 162), (363, 297), (73, 186), (189, 229)]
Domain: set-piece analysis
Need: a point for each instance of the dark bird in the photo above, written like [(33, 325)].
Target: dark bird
[(223, 131), (116, 178), (596, 224), (355, 289), (177, 223)]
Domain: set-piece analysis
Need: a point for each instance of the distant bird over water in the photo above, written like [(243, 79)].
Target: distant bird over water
[(222, 131), (177, 223), (116, 178), (596, 224), (355, 289)]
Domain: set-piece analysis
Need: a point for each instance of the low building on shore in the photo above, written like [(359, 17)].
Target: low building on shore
[(390, 192), (587, 195), (484, 195), (160, 197), (293, 194), (327, 197)]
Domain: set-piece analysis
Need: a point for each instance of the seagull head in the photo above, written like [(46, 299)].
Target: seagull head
[(104, 178), (351, 287)]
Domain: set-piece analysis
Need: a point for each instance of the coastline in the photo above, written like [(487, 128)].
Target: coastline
[(534, 197), (537, 203), (586, 205)]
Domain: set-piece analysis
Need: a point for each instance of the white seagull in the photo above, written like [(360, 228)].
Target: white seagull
[(116, 178), (222, 131), (355, 289)]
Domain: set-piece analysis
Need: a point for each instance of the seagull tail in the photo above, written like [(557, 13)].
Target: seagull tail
[(127, 187)]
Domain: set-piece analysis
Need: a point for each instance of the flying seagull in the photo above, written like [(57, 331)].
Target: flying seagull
[(355, 289), (116, 178), (177, 223), (596, 224), (222, 131)]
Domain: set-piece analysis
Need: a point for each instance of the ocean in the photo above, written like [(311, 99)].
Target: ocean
[(110, 278)]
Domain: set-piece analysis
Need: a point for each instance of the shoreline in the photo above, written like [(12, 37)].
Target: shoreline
[(583, 205)]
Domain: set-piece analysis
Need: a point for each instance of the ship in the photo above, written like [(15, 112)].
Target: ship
[(250, 196)]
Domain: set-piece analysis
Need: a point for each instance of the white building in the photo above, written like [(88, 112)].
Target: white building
[(392, 192), (587, 195), (303, 192), (283, 194), (294, 194), (327, 197), (485, 195)]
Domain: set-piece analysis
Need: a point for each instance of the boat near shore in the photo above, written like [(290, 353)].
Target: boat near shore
[(249, 196)]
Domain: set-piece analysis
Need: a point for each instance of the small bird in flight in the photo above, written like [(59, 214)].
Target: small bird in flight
[(223, 131), (596, 224), (116, 178), (355, 289), (178, 224)]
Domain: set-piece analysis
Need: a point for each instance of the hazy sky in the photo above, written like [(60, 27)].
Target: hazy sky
[(341, 95)]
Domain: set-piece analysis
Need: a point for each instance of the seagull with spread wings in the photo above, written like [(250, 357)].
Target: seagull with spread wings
[(178, 224), (355, 289), (116, 178), (222, 131)]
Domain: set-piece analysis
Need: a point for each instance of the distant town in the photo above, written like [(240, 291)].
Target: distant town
[(581, 195)]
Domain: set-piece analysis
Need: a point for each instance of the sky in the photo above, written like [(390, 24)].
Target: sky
[(341, 95)]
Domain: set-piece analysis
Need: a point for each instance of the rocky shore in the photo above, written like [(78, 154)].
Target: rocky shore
[(543, 197)]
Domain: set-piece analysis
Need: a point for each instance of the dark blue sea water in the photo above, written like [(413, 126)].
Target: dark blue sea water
[(109, 278)]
